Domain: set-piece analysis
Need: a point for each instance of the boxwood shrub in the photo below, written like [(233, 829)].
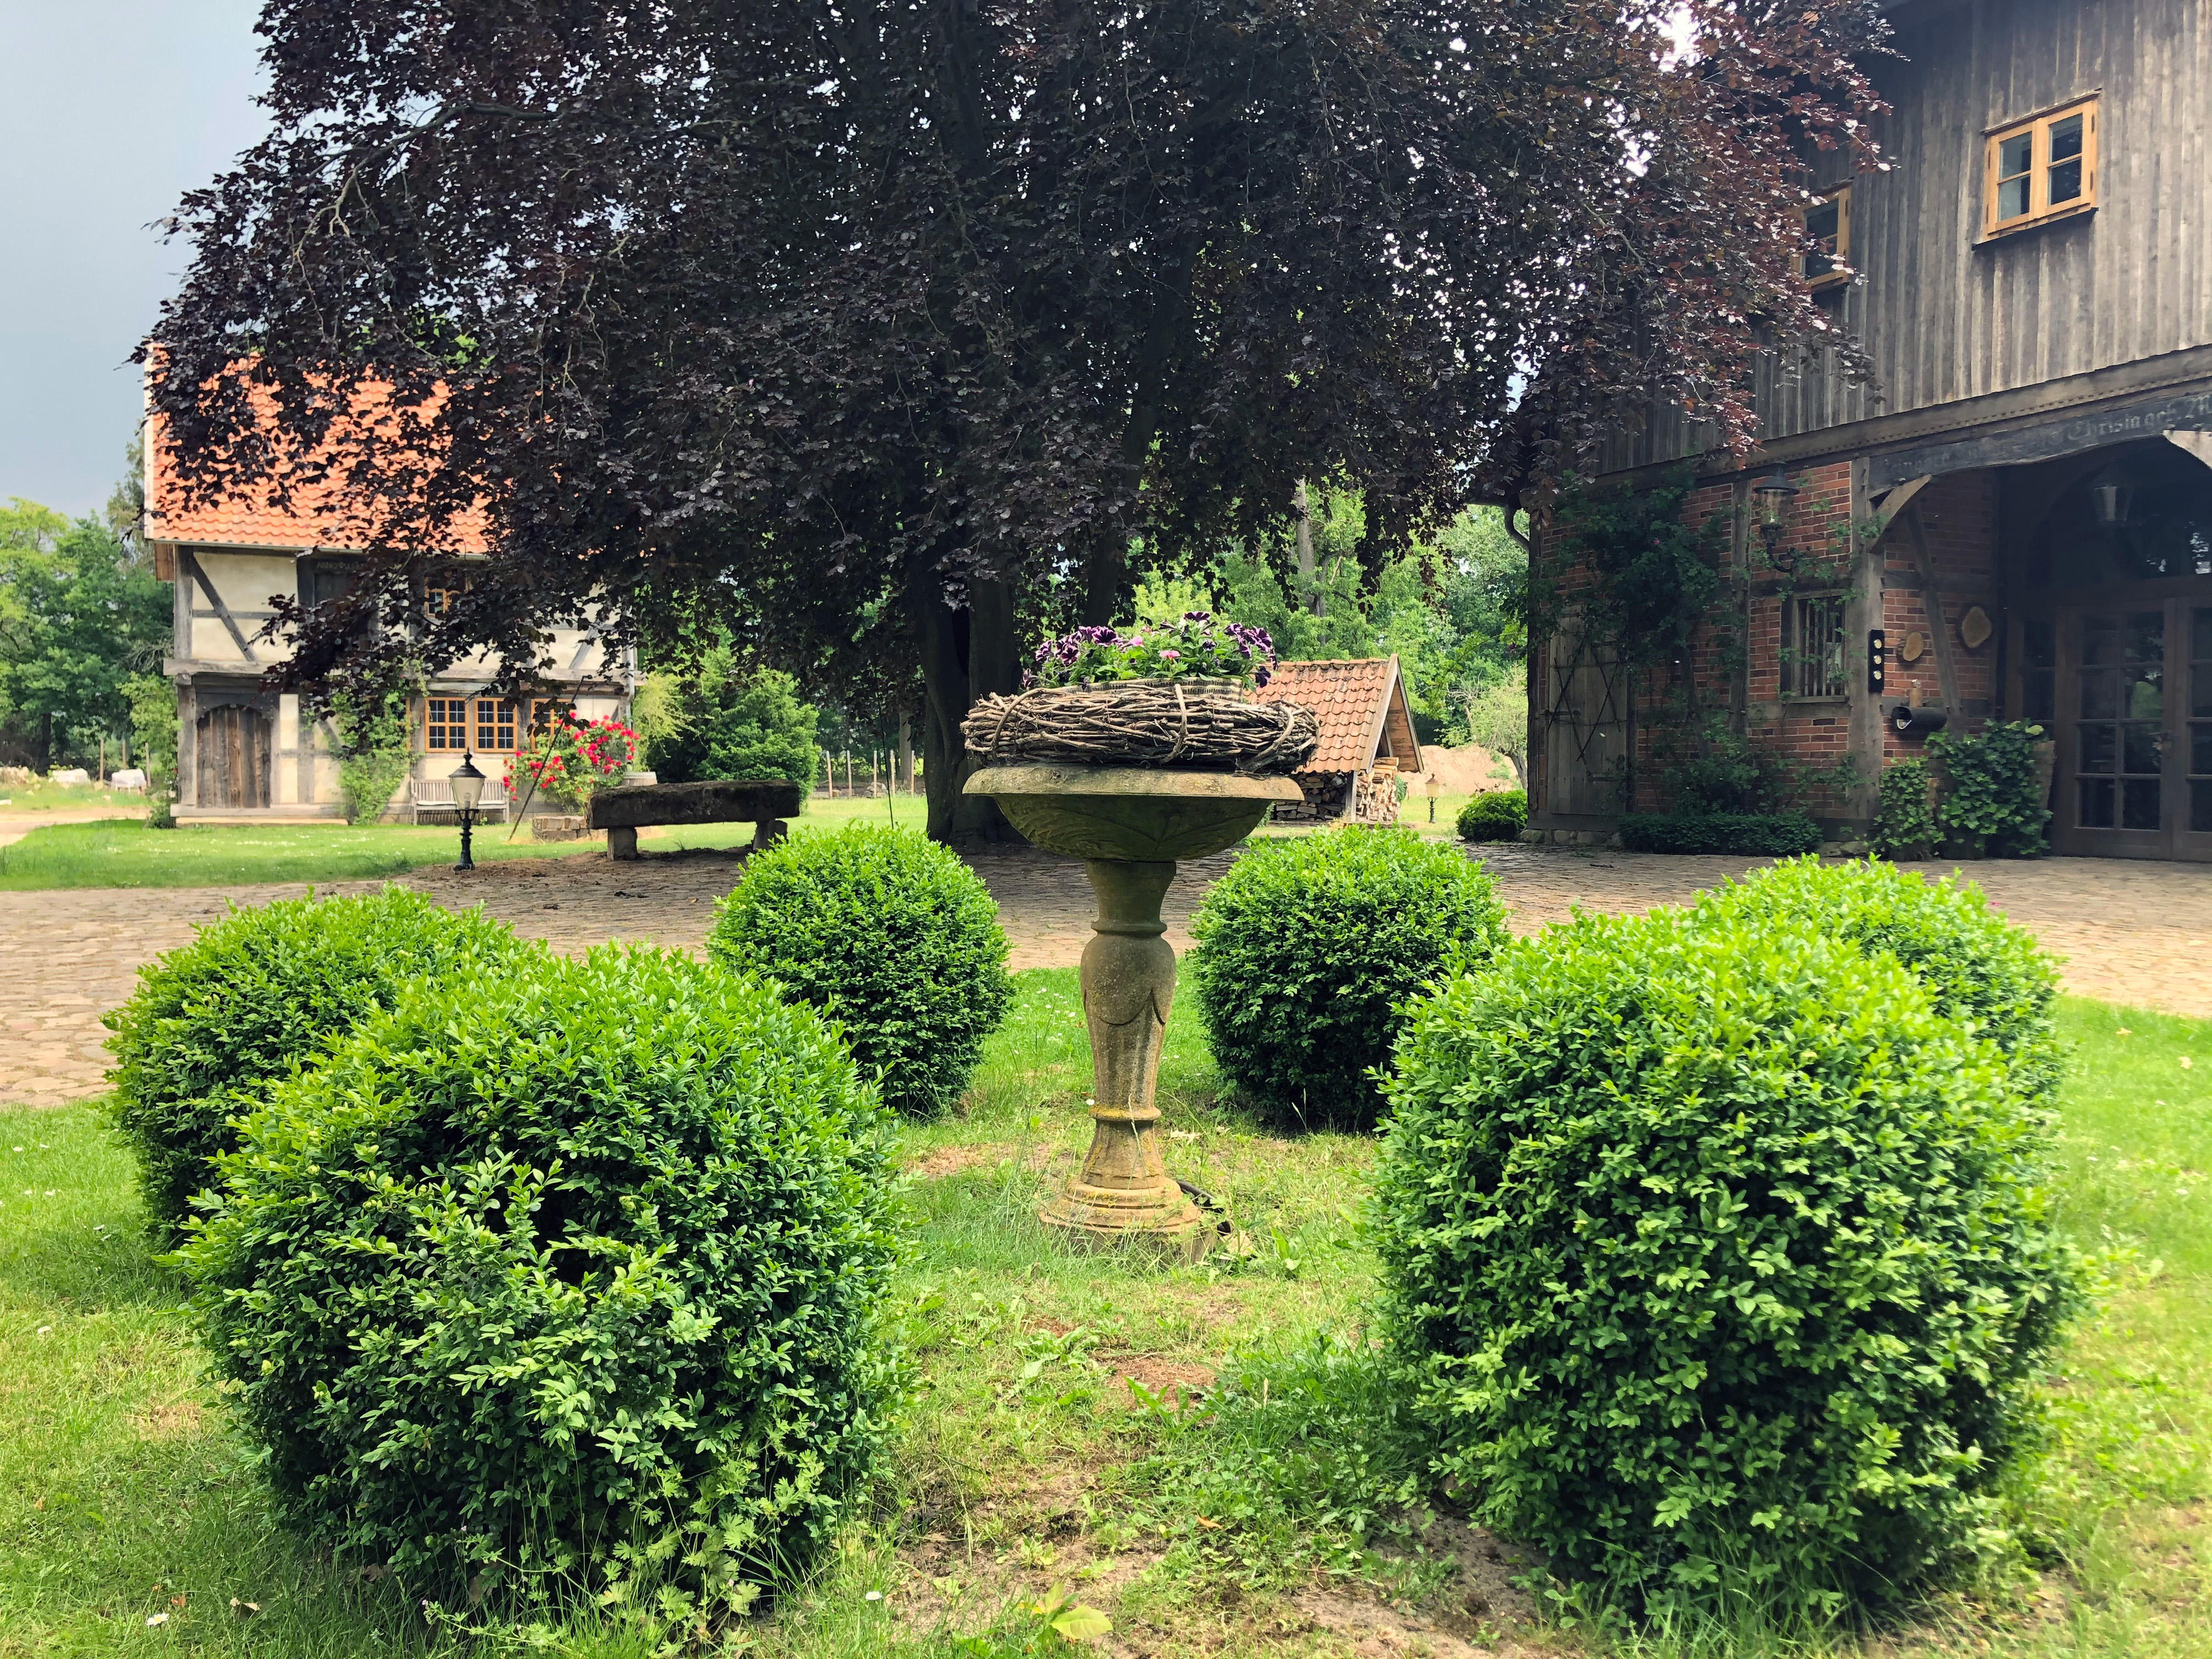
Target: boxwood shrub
[(1501, 815), (1976, 965), (256, 994), (891, 935), (1721, 1256), (577, 1276), (1774, 834), (1306, 948)]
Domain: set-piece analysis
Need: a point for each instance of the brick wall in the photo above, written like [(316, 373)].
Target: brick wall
[(1958, 516)]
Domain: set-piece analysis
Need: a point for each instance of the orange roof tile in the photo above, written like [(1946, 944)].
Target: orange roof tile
[(1352, 700), (319, 515)]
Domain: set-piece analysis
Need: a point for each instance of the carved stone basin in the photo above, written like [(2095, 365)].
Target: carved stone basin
[(1133, 814), (1129, 825)]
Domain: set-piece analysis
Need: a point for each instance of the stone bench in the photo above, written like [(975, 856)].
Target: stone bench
[(624, 810)]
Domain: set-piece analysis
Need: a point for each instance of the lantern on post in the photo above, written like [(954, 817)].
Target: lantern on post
[(468, 794)]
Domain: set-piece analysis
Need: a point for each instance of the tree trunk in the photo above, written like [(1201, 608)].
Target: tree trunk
[(965, 654), (1303, 542), (903, 779)]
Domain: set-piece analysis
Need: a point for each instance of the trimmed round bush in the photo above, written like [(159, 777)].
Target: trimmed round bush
[(1306, 948), (889, 934), (1501, 815), (1721, 1256), (577, 1277), (1976, 965), (257, 994)]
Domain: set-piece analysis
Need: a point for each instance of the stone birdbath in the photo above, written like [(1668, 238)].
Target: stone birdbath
[(1129, 825)]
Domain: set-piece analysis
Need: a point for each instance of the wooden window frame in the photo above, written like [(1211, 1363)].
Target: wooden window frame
[(1791, 672), (2040, 210), (479, 724), (1839, 270), (467, 722), (441, 592)]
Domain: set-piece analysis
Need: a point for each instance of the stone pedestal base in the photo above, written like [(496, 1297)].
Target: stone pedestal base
[(1123, 1193)]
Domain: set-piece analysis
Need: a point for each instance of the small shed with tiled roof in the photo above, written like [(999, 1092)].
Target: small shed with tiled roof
[(1367, 741)]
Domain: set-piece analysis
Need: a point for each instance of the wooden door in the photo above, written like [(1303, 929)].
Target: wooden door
[(233, 749), (2132, 685)]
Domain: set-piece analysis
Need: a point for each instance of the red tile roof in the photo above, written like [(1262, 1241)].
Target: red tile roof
[(319, 515), (1354, 700)]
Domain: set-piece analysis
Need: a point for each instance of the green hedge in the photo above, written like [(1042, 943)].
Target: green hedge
[(1501, 814), (891, 935), (256, 994), (1722, 1258), (1306, 948), (1976, 965), (573, 1277), (1774, 834)]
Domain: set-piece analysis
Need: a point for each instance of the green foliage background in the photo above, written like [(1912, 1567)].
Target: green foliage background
[(80, 615), (722, 720)]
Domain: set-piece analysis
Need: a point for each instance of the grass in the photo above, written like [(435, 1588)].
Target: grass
[(1054, 1443), (125, 852)]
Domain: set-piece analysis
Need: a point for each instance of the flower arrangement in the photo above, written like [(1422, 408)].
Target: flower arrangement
[(1198, 646), (568, 759)]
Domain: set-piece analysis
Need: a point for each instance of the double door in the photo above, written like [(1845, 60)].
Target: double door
[(2126, 689)]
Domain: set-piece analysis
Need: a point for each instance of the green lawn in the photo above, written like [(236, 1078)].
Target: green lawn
[(125, 852), (1028, 1460)]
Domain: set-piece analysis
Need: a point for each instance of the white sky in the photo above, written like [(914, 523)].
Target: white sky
[(109, 110)]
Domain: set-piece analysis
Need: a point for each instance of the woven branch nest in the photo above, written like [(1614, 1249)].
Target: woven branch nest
[(1143, 723)]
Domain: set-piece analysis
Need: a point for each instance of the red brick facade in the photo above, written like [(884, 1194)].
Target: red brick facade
[(1833, 744)]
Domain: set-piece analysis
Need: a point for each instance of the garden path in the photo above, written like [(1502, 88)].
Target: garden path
[(2135, 933)]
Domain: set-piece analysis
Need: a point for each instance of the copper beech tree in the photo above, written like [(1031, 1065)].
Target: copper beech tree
[(885, 333)]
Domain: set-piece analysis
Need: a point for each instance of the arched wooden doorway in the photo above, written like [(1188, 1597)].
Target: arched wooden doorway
[(233, 745)]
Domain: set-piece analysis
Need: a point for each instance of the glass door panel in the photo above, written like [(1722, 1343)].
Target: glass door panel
[(2119, 732), (2198, 754)]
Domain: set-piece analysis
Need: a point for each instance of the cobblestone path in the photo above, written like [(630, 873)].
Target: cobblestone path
[(2133, 933)]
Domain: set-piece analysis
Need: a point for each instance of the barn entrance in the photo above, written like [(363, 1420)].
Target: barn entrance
[(233, 745), (2115, 654)]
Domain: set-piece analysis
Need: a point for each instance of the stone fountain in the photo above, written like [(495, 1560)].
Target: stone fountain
[(1129, 825)]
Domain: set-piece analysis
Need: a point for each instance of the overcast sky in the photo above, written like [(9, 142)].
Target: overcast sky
[(109, 110)]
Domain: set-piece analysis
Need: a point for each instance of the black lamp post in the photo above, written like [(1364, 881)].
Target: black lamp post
[(468, 793), (1775, 493)]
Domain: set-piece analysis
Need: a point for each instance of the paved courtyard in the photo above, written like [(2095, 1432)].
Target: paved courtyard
[(2135, 933)]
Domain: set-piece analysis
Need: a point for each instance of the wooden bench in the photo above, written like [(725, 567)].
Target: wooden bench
[(430, 801), (622, 812)]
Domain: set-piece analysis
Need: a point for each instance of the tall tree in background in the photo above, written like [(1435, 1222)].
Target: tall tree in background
[(881, 331), (80, 614)]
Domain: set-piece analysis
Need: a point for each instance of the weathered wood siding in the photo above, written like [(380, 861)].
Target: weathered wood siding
[(1947, 316)]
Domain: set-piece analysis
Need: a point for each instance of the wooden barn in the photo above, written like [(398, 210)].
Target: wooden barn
[(1367, 741)]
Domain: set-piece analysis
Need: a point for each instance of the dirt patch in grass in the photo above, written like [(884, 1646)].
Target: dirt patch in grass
[(1178, 1383), (168, 1420), (986, 1155)]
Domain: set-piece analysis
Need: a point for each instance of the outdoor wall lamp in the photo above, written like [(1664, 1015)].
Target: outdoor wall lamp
[(2112, 494), (1775, 492), (468, 794)]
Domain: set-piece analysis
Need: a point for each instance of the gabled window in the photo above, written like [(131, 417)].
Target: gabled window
[(2039, 169), (1828, 222)]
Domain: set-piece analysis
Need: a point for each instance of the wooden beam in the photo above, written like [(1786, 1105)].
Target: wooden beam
[(1931, 601), (1898, 500), (237, 633)]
